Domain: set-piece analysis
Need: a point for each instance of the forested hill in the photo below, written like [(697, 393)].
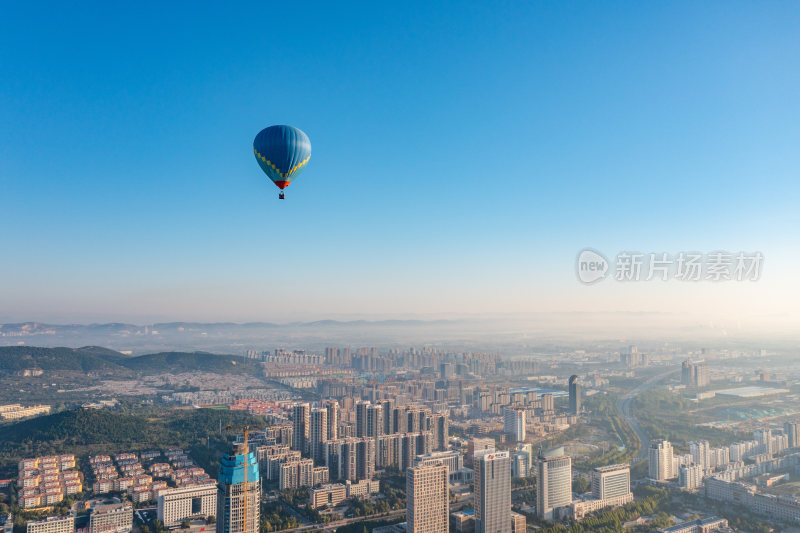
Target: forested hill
[(99, 360), (94, 431), (176, 362), (90, 359), (82, 426)]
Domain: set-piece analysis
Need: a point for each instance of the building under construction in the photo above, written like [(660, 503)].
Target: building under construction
[(239, 492)]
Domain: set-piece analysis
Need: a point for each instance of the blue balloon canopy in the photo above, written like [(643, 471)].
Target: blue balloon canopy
[(282, 152)]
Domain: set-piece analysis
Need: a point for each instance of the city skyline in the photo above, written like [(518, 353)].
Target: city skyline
[(332, 437)]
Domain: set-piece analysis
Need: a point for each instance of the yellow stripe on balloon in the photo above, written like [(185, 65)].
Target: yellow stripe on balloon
[(281, 174)]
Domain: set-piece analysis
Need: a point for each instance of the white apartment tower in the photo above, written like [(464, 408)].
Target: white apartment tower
[(660, 460), (514, 423)]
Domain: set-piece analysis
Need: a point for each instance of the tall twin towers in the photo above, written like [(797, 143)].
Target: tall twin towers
[(427, 495)]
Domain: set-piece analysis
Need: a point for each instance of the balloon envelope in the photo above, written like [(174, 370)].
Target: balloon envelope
[(282, 152)]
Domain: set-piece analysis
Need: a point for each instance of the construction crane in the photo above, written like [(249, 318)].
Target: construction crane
[(246, 454)]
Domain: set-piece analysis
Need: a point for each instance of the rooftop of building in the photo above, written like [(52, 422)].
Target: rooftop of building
[(751, 391), (552, 453), (699, 522), (611, 468), (51, 519)]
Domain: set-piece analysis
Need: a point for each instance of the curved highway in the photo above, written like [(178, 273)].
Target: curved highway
[(624, 406)]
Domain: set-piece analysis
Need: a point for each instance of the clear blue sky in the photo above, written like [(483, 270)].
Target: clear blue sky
[(462, 155)]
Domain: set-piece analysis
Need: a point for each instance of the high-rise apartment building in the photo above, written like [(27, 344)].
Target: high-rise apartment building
[(427, 499), (632, 357), (765, 440), (479, 445), (492, 493), (575, 393), (660, 460), (700, 453), (695, 375), (239, 491), (296, 473), (388, 416), (514, 423), (282, 433), (439, 425), (374, 420), (446, 370), (792, 431), (361, 419), (553, 483), (301, 414), (690, 476), (332, 406), (548, 403), (353, 458), (365, 458), (318, 434)]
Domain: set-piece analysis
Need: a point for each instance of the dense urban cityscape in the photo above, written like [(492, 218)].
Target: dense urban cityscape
[(419, 439)]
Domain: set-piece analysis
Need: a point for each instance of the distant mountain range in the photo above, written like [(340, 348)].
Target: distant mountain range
[(228, 337), (511, 334), (26, 328)]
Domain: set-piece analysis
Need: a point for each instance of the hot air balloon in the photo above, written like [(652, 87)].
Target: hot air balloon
[(282, 152)]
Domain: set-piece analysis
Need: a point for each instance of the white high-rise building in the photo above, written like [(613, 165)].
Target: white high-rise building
[(660, 460), (492, 493), (764, 438), (690, 476), (700, 453), (611, 481), (553, 483), (177, 505), (719, 457), (514, 423)]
